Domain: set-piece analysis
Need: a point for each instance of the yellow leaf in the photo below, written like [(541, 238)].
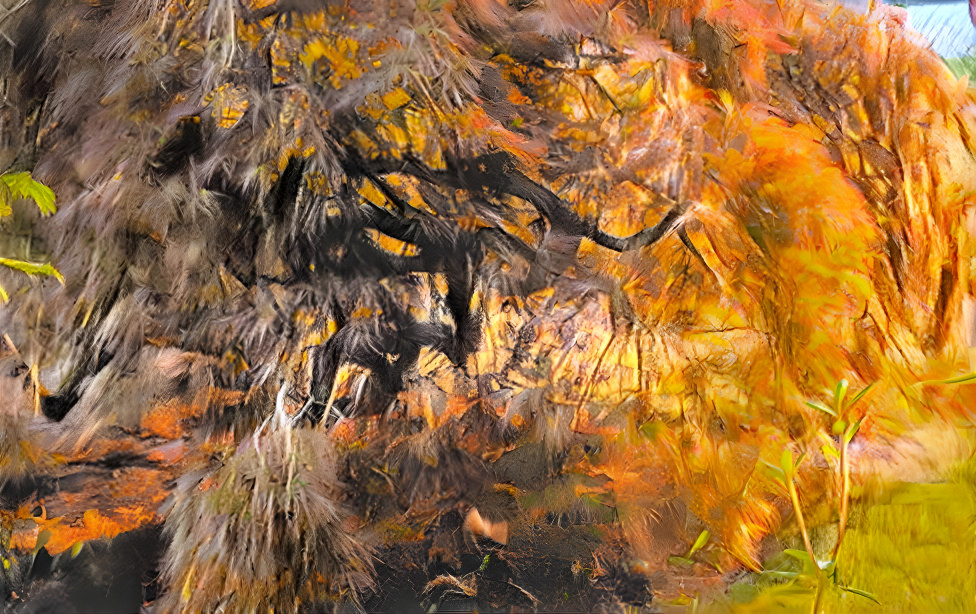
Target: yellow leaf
[(228, 104), (396, 98)]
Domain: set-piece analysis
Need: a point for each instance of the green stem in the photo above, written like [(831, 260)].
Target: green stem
[(845, 494), (795, 499)]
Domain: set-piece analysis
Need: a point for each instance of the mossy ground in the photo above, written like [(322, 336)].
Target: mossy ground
[(913, 548)]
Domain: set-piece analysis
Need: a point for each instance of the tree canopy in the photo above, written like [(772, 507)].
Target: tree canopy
[(352, 288)]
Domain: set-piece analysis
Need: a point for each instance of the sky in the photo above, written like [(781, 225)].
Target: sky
[(945, 24)]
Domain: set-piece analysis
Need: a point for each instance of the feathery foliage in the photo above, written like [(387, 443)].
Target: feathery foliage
[(427, 239)]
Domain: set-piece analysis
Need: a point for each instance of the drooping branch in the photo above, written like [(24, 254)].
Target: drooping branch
[(495, 173)]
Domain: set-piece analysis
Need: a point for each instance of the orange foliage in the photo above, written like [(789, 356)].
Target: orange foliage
[(168, 420), (60, 535), (820, 163)]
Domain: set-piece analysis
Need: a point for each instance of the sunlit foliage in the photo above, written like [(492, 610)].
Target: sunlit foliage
[(638, 243)]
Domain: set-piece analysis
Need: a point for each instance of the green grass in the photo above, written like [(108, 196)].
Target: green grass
[(914, 549), (964, 66)]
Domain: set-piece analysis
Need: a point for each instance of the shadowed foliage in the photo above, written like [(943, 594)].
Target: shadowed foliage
[(339, 273)]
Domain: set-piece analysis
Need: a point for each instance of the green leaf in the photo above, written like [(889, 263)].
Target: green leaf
[(76, 549), (838, 427), (680, 561), (652, 429), (4, 297), (786, 463), (22, 185), (962, 379), (777, 472), (32, 268), (840, 391), (822, 408), (860, 395), (5, 198), (801, 555), (810, 567), (858, 591), (42, 539), (831, 451), (699, 543), (849, 434)]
